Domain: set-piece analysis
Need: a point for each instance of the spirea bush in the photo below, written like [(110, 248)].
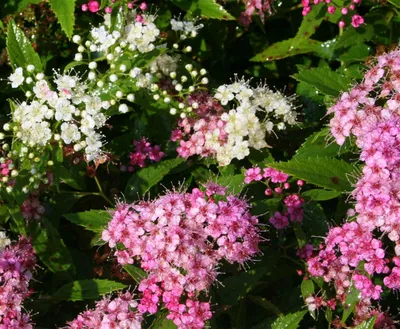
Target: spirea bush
[(199, 164)]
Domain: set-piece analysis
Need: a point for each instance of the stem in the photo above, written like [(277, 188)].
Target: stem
[(101, 193)]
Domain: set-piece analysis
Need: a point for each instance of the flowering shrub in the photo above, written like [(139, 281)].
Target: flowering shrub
[(199, 164)]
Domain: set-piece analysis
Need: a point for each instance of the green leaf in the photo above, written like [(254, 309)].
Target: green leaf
[(269, 306), (367, 324), (19, 48), (324, 80), (49, 246), (356, 53), (352, 36), (290, 321), (141, 182), (317, 144), (300, 235), (321, 195), (64, 10), (71, 177), (86, 289), (307, 288), (352, 299), (322, 171), (233, 183), (24, 3), (163, 323), (93, 220), (283, 49), (206, 8), (136, 273)]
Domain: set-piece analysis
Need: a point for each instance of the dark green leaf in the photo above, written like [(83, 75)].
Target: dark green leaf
[(19, 48), (93, 220), (268, 305), (367, 324), (321, 195), (141, 182), (206, 8), (307, 288), (352, 299), (64, 10), (136, 273), (163, 323), (322, 171), (87, 289), (289, 321), (324, 80)]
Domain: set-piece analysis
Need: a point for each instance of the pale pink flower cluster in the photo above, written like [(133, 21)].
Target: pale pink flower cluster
[(293, 202), (119, 312), (142, 151), (356, 20), (252, 6), (5, 168), (32, 208), (179, 239), (17, 262), (197, 135)]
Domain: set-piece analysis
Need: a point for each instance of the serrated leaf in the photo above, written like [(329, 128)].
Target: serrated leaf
[(64, 10), (352, 36), (86, 289), (353, 296), (285, 49), (206, 8), (356, 53), (49, 246), (24, 3), (367, 324), (19, 48), (136, 273), (141, 182), (289, 321), (321, 171), (324, 80), (321, 195), (307, 288), (93, 220)]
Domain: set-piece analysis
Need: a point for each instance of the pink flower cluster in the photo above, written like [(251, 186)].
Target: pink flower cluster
[(142, 151), (261, 6), (5, 168), (179, 239), (110, 313), (292, 201), (94, 6), (370, 112), (356, 20), (16, 263), (192, 131), (32, 208)]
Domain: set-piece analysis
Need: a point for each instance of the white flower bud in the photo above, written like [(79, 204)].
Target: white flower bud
[(123, 68), (183, 115), (172, 75), (100, 83), (81, 49), (93, 48), (76, 39), (87, 43), (178, 87), (110, 57), (203, 71), (92, 65), (50, 163), (28, 94), (2, 136), (175, 46), (57, 137), (188, 49), (29, 80), (30, 68), (172, 111), (9, 189), (117, 50), (122, 44), (130, 97), (194, 73), (204, 81), (189, 67), (156, 97), (91, 75), (39, 76), (181, 106), (191, 89), (78, 57), (184, 78), (6, 127), (123, 108), (14, 173), (25, 189), (77, 147), (195, 105), (119, 94), (167, 100), (113, 77), (113, 102)]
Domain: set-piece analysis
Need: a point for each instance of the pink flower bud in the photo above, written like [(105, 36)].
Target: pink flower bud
[(357, 20), (342, 24), (352, 7), (143, 6), (300, 182), (130, 5), (331, 9), (268, 192), (84, 7), (108, 10), (305, 11), (94, 6), (286, 186), (278, 190), (344, 11), (139, 18)]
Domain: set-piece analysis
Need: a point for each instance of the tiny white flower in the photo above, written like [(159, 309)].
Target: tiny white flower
[(123, 108), (17, 78)]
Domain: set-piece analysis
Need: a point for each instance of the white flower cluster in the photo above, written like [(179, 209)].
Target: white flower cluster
[(187, 27), (242, 124), (4, 241), (70, 114), (164, 65), (141, 35)]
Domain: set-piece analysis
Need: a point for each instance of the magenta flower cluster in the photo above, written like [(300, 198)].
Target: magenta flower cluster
[(356, 20), (119, 312), (255, 6), (143, 151), (180, 239), (32, 208), (369, 112), (17, 262), (278, 186)]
